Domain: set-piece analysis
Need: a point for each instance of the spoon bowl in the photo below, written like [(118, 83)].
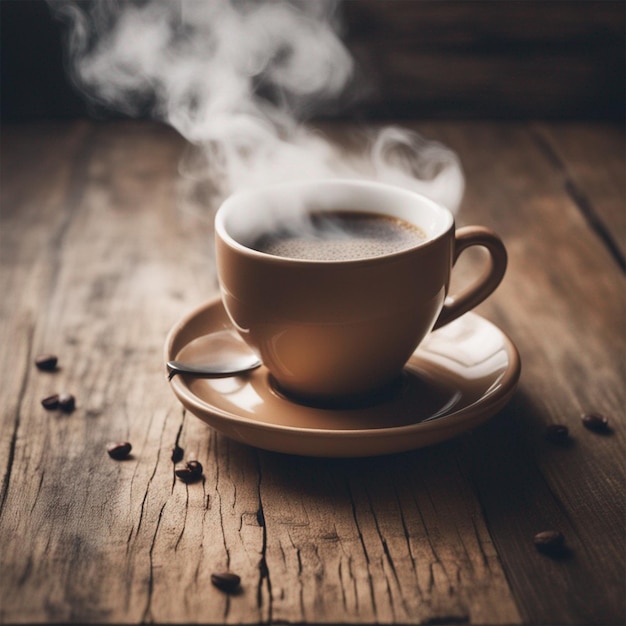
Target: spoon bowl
[(215, 355)]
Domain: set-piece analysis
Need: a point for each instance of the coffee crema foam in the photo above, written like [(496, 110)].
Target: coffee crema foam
[(341, 236)]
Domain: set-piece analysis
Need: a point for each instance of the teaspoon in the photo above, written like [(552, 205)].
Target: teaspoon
[(215, 355)]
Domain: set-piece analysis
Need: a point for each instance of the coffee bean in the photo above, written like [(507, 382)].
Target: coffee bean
[(596, 422), (557, 433), (226, 581), (46, 362), (190, 472), (177, 454), (67, 402), (550, 542), (120, 450), (186, 475), (50, 403), (195, 467)]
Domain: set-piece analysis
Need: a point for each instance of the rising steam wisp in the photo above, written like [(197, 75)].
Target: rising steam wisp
[(239, 79)]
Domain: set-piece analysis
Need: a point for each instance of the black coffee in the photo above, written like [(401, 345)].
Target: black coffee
[(341, 236)]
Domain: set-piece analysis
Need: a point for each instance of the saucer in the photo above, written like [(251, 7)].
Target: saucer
[(459, 377)]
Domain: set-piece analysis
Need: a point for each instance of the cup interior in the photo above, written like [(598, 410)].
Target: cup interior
[(246, 215)]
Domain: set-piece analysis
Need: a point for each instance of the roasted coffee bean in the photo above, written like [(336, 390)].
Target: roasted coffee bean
[(46, 362), (596, 422), (557, 433), (550, 542), (50, 403), (187, 475), (120, 450), (67, 402), (195, 467), (190, 472), (226, 581), (177, 454)]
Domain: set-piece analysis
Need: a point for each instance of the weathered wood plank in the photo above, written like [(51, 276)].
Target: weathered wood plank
[(89, 216), (599, 191), (18, 253), (389, 540), (563, 303)]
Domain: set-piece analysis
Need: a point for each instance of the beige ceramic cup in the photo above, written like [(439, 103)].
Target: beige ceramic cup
[(337, 329)]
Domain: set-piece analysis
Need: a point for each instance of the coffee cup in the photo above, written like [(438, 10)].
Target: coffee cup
[(341, 319)]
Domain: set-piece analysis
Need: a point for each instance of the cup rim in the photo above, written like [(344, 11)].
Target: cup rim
[(221, 230)]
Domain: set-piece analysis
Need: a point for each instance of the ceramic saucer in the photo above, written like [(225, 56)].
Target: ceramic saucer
[(459, 377)]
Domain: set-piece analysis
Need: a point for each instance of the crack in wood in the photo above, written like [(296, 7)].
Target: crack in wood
[(351, 579), (354, 586), (579, 197), (389, 592), (365, 553), (184, 524), (147, 613), (18, 416), (179, 432), (264, 572), (395, 575), (581, 200), (390, 561), (219, 504), (145, 495), (437, 559), (37, 494), (301, 593), (344, 599), (407, 536), (485, 559), (479, 543)]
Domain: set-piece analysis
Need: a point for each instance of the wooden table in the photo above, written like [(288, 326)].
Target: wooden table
[(99, 260)]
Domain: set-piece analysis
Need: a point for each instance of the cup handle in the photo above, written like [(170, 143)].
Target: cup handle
[(486, 283)]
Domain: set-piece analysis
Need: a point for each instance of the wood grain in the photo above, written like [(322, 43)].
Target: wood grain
[(599, 192), (100, 258)]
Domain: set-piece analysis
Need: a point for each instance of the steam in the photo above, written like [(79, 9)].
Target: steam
[(239, 79)]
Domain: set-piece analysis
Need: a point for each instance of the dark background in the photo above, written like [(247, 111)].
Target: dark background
[(417, 58)]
